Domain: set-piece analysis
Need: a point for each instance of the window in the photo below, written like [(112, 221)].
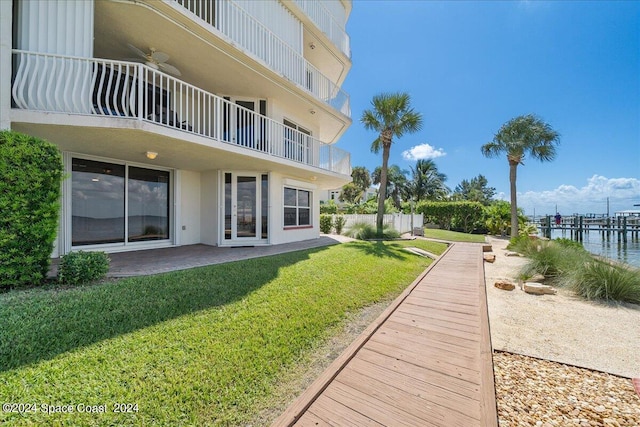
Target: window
[(99, 213), (297, 207), (148, 196)]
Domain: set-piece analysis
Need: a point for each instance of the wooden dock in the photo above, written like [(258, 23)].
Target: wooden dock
[(426, 361), (578, 225)]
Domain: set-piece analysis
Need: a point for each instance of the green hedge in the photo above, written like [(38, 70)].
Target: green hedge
[(464, 216), (326, 223), (30, 175), (78, 268)]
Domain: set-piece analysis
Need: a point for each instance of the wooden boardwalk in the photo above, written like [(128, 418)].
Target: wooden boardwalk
[(426, 361)]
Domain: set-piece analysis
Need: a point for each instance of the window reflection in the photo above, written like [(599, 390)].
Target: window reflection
[(97, 202), (99, 214), (148, 192)]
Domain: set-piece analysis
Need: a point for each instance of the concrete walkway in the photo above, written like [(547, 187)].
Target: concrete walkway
[(154, 261)]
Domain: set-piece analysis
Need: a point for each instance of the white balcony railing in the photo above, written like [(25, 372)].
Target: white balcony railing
[(89, 86), (251, 35), (318, 13)]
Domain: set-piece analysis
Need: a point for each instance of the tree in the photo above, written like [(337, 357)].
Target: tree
[(518, 137), (354, 191), (350, 193), (476, 190), (396, 183), (427, 182), (391, 116), (361, 178)]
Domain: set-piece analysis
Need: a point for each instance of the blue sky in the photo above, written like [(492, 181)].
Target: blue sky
[(471, 66)]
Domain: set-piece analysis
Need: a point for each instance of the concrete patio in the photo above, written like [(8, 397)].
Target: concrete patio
[(154, 261)]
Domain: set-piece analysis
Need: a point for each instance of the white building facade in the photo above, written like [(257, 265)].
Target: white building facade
[(182, 121)]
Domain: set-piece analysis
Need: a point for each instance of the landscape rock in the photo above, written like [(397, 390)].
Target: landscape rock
[(489, 257), (531, 391), (536, 278), (509, 253), (538, 289), (504, 285)]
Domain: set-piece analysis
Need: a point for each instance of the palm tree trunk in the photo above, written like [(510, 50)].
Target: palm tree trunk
[(382, 192), (514, 204)]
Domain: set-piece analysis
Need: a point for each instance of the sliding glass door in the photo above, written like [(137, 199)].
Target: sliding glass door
[(118, 204)]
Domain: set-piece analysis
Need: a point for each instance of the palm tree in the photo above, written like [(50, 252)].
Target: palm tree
[(391, 116), (427, 182), (518, 137), (397, 184)]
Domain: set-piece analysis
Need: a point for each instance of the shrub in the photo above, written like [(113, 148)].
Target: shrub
[(554, 261), (30, 176), (329, 207), (365, 231), (326, 223), (339, 223), (568, 243), (524, 245), (77, 268), (599, 280), (463, 215)]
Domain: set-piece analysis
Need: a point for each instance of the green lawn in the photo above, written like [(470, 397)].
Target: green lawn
[(453, 236), (196, 347)]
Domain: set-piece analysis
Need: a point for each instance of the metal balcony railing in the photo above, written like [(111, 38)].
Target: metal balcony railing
[(119, 89), (252, 36), (319, 14)]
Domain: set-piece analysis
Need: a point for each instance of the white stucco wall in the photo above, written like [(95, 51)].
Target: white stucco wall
[(209, 207), (278, 111), (188, 228), (5, 63), (277, 232)]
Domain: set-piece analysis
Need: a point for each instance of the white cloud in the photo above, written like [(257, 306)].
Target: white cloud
[(622, 193), (423, 151)]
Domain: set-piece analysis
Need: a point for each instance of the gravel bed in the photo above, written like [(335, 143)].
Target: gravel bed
[(536, 392)]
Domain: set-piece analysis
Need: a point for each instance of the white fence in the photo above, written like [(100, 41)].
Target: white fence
[(399, 222)]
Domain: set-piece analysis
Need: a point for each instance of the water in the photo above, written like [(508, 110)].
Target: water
[(594, 242)]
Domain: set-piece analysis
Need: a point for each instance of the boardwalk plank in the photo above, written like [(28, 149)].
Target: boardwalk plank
[(447, 382), (427, 347), (425, 362), (337, 414), (435, 319), (471, 333), (310, 419), (442, 365), (462, 319), (385, 413), (438, 399)]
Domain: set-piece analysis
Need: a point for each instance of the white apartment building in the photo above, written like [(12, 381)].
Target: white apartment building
[(182, 121)]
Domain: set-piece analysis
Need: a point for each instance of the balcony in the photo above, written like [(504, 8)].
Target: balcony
[(324, 20), (252, 36), (126, 90)]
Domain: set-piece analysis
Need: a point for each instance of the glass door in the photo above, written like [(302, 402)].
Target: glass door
[(245, 200)]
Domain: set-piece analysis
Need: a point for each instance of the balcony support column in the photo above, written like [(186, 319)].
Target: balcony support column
[(6, 33)]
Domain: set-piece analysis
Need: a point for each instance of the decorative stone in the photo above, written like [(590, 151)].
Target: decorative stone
[(538, 289), (490, 258), (536, 278), (509, 253), (505, 285)]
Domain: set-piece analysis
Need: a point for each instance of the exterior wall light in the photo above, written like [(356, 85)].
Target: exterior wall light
[(152, 155)]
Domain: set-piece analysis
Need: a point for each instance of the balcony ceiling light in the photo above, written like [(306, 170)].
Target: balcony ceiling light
[(152, 155)]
